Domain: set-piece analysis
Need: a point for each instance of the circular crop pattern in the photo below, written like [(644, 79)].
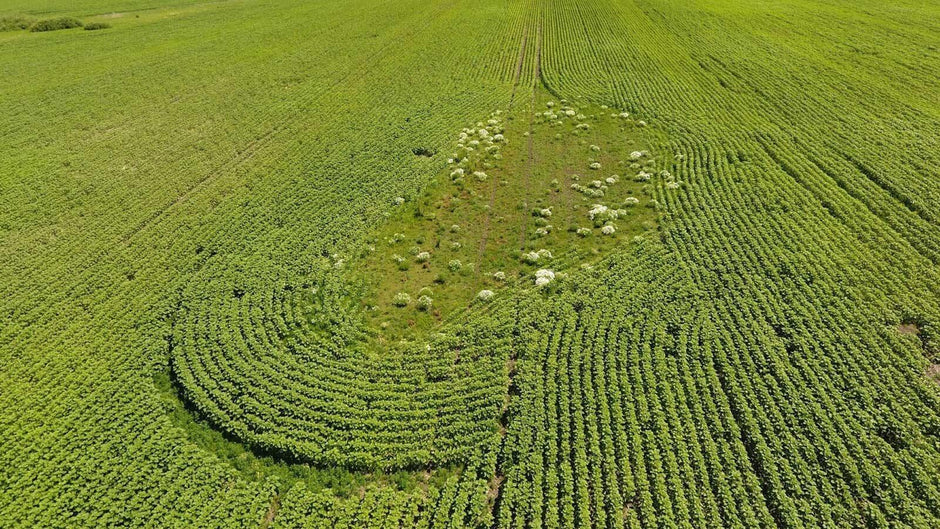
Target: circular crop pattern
[(284, 366), (263, 374)]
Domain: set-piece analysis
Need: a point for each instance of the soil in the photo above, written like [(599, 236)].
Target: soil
[(933, 373)]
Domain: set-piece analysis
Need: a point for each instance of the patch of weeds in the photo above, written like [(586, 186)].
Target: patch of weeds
[(15, 22), (55, 24), (423, 151), (94, 26), (495, 218)]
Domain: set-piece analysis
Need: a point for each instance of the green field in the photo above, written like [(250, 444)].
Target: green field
[(490, 264)]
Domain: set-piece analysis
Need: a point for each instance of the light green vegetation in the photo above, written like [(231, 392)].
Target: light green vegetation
[(15, 22), (177, 191), (484, 220)]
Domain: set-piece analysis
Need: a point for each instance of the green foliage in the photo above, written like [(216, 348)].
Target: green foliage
[(197, 194), (55, 24), (476, 225), (15, 22), (337, 481), (93, 26)]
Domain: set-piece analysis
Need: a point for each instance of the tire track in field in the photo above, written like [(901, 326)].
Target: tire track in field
[(244, 156), (193, 95), (920, 245), (494, 184), (495, 488), (519, 62), (530, 144), (889, 188), (248, 153)]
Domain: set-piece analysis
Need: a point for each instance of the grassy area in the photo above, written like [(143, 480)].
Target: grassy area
[(482, 230)]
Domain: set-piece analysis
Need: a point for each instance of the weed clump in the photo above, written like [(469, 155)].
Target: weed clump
[(544, 277), (423, 151), (93, 26), (55, 24), (15, 22), (401, 299), (424, 303)]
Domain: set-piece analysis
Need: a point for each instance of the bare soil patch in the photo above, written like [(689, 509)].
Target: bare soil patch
[(933, 373)]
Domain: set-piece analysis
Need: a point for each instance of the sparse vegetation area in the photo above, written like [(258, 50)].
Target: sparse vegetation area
[(493, 217)]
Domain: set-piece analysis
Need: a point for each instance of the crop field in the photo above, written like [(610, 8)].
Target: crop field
[(489, 264)]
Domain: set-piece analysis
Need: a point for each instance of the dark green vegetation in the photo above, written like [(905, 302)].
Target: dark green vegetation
[(261, 467), (179, 190), (15, 22), (55, 24)]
